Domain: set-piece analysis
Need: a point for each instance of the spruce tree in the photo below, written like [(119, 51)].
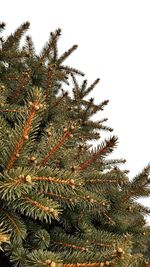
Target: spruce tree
[(62, 202)]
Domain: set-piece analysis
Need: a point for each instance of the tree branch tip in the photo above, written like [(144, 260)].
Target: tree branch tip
[(2, 25)]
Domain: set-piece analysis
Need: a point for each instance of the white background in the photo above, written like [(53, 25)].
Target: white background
[(114, 45)]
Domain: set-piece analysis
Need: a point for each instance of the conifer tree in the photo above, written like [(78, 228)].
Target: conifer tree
[(62, 203)]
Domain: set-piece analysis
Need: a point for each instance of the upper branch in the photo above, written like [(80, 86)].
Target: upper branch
[(106, 148)]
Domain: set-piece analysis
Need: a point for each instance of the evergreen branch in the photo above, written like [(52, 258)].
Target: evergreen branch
[(114, 176), (114, 161), (75, 82), (49, 81), (55, 148), (142, 177), (60, 239), (54, 180), (21, 84), (87, 112), (13, 223), (55, 53), (36, 258), (60, 99), (86, 103), (98, 199), (94, 106), (31, 48), (139, 185), (99, 107), (103, 151), (90, 135), (136, 207), (69, 182), (83, 87), (102, 244), (85, 264), (14, 39), (25, 132), (10, 110), (76, 92), (68, 200), (139, 191), (69, 245), (4, 236), (66, 54), (96, 125), (49, 179), (89, 89), (18, 255), (98, 236), (103, 258), (9, 78), (40, 239), (108, 218), (13, 186), (103, 182), (108, 164), (11, 56), (73, 199), (50, 45), (103, 120), (37, 207), (137, 260), (71, 70), (36, 203)]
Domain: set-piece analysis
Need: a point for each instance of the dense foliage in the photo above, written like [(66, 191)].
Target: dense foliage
[(62, 202)]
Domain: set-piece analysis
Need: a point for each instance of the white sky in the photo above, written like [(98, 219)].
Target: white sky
[(114, 45)]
